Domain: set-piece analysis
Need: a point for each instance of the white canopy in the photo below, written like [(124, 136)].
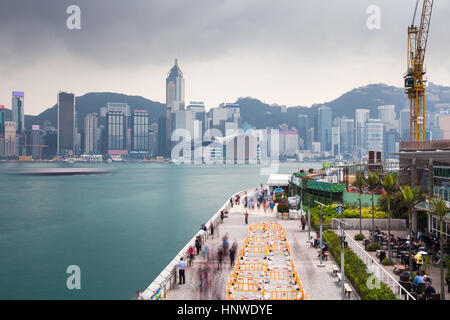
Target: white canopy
[(280, 180)]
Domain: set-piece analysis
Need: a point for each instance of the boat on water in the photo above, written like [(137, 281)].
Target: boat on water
[(64, 171)]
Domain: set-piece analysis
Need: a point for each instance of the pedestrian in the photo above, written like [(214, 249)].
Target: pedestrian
[(231, 202), (198, 244), (211, 227), (232, 254), (303, 220), (272, 204), (245, 201), (221, 216), (190, 253), (181, 266), (219, 258), (225, 244), (246, 216), (203, 227)]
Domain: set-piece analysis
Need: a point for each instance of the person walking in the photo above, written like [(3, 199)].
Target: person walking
[(181, 266), (232, 255), (211, 227), (272, 204), (231, 202), (190, 252), (198, 244), (303, 221), (246, 216), (222, 214), (219, 258)]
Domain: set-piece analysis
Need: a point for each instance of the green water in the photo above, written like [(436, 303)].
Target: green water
[(121, 229)]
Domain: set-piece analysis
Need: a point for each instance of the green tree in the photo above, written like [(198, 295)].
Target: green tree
[(411, 197), (372, 182), (440, 210), (359, 184), (391, 187)]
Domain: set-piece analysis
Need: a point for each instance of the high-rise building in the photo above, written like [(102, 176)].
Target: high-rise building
[(324, 128), (347, 136), (18, 115), (335, 140), (153, 140), (405, 128), (36, 142), (116, 132), (66, 124), (2, 120), (391, 144), (302, 128), (174, 99), (374, 135), (386, 113), (91, 133), (361, 118), (2, 131), (11, 139), (140, 133)]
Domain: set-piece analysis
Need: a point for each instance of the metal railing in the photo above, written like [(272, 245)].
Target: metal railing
[(375, 268), (167, 279)]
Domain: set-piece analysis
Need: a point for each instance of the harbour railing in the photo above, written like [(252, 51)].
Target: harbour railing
[(374, 267), (167, 279)]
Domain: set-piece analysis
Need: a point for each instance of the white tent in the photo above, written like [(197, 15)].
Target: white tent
[(278, 180)]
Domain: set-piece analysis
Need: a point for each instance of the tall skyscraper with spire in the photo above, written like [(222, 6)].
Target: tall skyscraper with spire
[(174, 99)]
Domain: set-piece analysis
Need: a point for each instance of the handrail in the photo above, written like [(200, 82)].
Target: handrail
[(169, 274), (384, 276)]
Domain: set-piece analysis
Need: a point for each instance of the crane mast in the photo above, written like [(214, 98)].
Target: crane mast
[(414, 77)]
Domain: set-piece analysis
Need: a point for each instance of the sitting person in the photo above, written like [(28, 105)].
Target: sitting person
[(405, 276), (377, 234), (429, 290), (426, 278), (393, 240), (417, 280)]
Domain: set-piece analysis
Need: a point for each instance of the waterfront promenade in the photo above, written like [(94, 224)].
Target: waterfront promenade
[(318, 283)]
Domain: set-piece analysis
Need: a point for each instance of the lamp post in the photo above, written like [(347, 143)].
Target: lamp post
[(321, 238)]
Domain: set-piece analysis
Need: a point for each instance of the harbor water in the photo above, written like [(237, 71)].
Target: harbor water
[(121, 228)]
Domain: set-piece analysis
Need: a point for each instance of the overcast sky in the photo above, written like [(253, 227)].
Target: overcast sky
[(292, 52)]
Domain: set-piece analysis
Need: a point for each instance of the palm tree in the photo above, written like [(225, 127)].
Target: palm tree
[(359, 184), (372, 183), (440, 210), (391, 187), (411, 197)]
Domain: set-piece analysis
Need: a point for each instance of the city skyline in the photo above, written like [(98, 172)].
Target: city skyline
[(285, 61)]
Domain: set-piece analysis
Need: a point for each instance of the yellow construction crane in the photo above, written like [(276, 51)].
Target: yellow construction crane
[(414, 76)]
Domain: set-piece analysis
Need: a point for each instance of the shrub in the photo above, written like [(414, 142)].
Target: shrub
[(356, 271), (373, 247), (359, 236), (387, 262)]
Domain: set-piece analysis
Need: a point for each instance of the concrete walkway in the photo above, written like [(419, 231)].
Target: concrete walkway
[(318, 283)]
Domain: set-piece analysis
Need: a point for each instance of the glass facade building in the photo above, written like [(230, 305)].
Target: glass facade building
[(116, 131), (140, 132), (374, 135), (324, 132), (18, 111), (66, 123)]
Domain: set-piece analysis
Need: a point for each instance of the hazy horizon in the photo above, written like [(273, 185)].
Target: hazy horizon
[(290, 53)]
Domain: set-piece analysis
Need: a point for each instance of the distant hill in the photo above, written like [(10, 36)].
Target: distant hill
[(260, 114)]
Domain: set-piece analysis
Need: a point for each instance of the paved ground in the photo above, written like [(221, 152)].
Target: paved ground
[(318, 282), (433, 271)]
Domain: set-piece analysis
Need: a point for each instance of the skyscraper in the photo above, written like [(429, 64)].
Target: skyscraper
[(18, 111), (324, 122), (361, 117), (140, 133), (174, 98), (11, 139), (91, 133), (405, 128), (36, 141), (374, 135), (66, 124), (335, 141), (386, 113), (347, 135), (2, 131), (302, 128)]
